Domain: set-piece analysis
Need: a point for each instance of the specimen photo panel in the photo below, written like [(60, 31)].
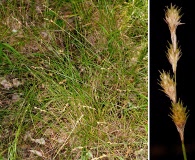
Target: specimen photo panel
[(172, 61)]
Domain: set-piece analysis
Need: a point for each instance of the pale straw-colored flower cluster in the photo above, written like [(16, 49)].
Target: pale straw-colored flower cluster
[(168, 82), (173, 57), (168, 85), (172, 18)]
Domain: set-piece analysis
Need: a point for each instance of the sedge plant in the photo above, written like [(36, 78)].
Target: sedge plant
[(168, 83)]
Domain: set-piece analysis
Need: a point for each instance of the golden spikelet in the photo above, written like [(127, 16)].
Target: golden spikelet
[(179, 116)]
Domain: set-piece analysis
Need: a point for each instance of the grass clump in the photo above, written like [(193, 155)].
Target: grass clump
[(73, 80)]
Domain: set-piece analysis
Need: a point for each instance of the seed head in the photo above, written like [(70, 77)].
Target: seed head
[(172, 17), (179, 116), (173, 57), (168, 85)]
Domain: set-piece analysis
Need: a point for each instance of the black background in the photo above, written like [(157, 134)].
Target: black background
[(164, 139)]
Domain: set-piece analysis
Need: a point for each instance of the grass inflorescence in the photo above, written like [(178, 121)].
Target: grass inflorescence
[(179, 113)]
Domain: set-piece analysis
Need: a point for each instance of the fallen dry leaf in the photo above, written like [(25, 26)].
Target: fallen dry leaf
[(38, 153), (39, 141), (15, 97), (6, 84), (16, 82)]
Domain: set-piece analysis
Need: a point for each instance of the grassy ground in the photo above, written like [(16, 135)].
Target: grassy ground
[(73, 79)]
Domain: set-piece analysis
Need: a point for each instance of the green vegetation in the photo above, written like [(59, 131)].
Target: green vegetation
[(73, 79)]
